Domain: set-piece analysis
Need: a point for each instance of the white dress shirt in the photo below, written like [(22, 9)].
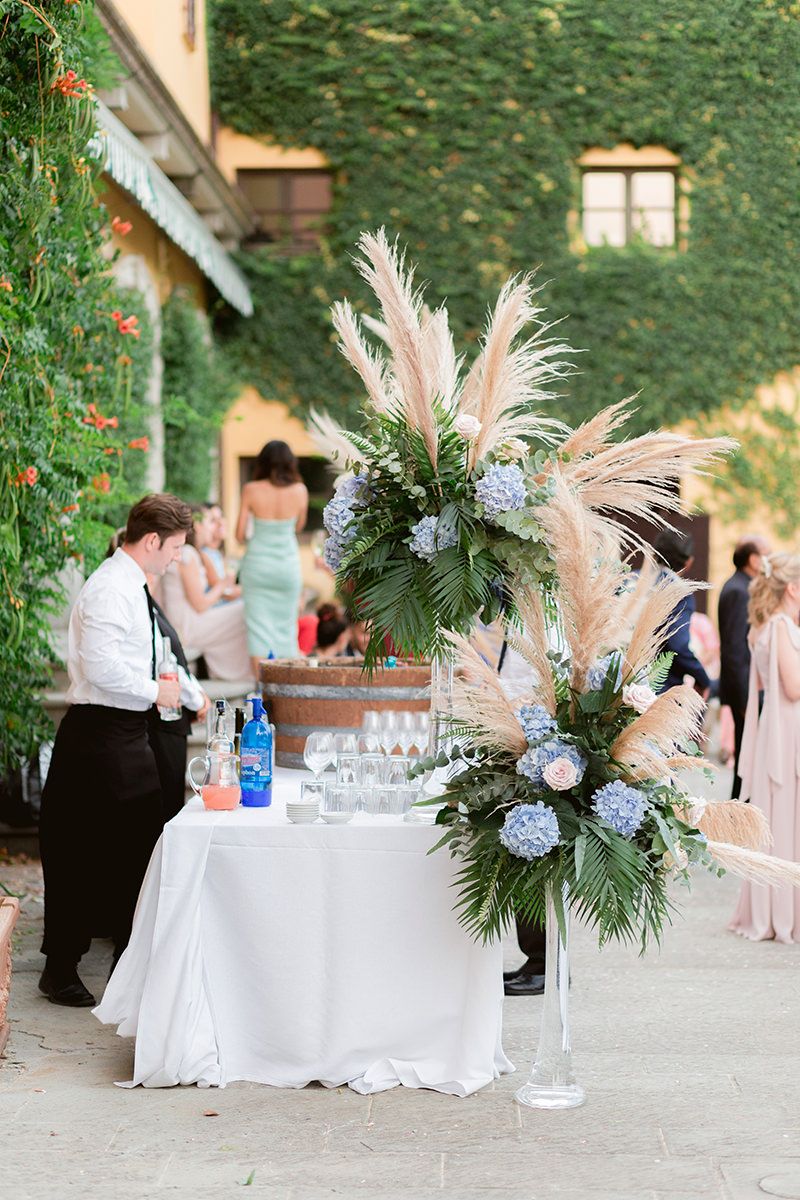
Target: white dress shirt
[(110, 646)]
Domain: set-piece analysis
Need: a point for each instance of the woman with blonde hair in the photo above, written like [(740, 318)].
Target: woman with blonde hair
[(770, 760)]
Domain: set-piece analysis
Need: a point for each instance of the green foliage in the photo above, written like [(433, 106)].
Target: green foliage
[(459, 126), (195, 395), (412, 595), (616, 884), (71, 380)]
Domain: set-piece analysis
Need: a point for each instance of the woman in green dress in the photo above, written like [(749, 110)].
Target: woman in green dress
[(274, 509)]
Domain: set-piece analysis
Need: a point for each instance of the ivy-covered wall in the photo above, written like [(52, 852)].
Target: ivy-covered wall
[(74, 349), (195, 392), (459, 124)]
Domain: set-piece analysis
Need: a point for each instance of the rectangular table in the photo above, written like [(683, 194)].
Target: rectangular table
[(282, 954)]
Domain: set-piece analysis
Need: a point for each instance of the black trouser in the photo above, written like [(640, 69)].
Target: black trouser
[(100, 819), (170, 752), (531, 939), (738, 732)]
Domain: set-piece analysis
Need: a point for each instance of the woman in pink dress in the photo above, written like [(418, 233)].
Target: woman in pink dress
[(770, 759)]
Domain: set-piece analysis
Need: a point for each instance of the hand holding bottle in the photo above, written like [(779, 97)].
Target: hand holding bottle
[(169, 693)]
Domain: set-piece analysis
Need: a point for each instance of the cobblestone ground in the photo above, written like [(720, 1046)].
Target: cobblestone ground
[(690, 1059)]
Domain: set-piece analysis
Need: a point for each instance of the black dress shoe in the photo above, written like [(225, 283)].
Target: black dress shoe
[(524, 984), (66, 990), (529, 967)]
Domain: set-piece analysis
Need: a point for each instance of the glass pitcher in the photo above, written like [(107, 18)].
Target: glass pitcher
[(219, 789)]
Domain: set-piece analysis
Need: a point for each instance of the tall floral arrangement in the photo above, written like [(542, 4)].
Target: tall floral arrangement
[(442, 514), (573, 789)]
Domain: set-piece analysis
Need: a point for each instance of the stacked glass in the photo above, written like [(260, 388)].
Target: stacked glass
[(370, 777)]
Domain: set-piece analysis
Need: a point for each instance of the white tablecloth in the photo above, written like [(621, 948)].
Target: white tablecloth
[(282, 954)]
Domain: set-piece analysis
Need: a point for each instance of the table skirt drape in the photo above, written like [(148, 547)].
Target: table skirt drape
[(284, 954)]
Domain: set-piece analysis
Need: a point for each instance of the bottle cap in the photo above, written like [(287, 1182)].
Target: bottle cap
[(391, 662), (220, 706), (258, 707)]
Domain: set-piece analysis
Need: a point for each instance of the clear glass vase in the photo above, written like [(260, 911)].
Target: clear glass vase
[(441, 704), (552, 1081)]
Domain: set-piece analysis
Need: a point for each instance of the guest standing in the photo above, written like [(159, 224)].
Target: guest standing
[(218, 633), (734, 647), (676, 552), (770, 757), (101, 805), (276, 502)]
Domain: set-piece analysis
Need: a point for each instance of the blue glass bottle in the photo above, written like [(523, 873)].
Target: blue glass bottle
[(256, 759)]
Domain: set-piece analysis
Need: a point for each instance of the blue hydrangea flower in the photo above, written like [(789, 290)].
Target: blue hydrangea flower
[(502, 489), (429, 539), (534, 761), (333, 552), (354, 490), (530, 830), (337, 515), (596, 675), (621, 805), (536, 722)]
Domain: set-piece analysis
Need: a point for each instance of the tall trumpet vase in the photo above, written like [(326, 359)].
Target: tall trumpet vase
[(552, 1081), (441, 704)]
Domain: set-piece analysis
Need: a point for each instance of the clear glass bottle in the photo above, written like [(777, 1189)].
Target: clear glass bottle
[(168, 670)]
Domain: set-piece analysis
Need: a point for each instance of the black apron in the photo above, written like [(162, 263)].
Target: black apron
[(101, 817)]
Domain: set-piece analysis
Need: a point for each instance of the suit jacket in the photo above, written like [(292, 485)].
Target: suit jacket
[(734, 649), (684, 661)]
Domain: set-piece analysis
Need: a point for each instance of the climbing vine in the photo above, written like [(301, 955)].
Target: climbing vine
[(74, 350), (459, 125), (196, 391)]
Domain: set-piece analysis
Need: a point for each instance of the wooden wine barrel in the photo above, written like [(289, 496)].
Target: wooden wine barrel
[(332, 698)]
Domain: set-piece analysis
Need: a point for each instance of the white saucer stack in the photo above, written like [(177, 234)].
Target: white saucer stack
[(302, 812)]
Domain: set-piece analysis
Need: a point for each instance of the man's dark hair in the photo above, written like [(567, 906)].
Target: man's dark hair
[(673, 548), (742, 553), (158, 513)]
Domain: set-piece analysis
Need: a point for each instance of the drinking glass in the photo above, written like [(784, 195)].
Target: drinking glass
[(406, 731), (388, 731), (421, 738), (346, 743), (338, 798), (369, 743), (312, 790), (318, 752), (405, 797), (361, 799), (372, 770), (348, 769), (371, 722), (384, 801), (397, 769)]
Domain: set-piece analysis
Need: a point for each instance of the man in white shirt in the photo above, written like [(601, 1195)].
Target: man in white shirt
[(101, 806)]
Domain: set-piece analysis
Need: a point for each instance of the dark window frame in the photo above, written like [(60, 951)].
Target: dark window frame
[(283, 217), (629, 172)]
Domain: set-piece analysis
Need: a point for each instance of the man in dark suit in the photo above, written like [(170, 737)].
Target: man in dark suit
[(676, 552), (733, 630)]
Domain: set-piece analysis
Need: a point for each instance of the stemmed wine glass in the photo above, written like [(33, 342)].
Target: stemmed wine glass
[(388, 731), (406, 731), (370, 740), (318, 752), (421, 723)]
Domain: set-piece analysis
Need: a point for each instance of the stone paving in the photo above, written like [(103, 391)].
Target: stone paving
[(690, 1059)]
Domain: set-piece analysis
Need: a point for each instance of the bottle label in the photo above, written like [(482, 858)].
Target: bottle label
[(251, 761), (168, 675)]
